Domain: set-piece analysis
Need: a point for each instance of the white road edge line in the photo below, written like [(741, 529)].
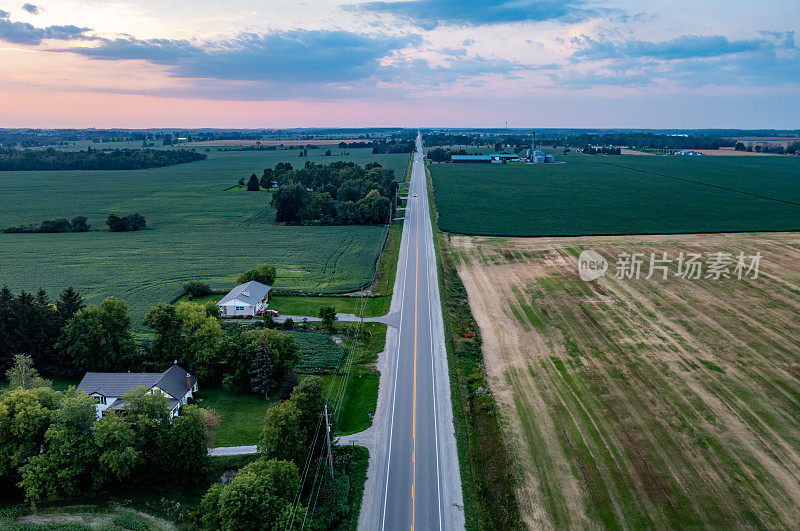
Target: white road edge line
[(433, 368)]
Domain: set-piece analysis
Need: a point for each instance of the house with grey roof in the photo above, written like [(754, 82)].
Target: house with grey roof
[(176, 383), (245, 300)]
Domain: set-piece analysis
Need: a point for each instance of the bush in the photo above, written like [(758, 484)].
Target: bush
[(131, 521), (127, 223), (196, 288), (263, 273)]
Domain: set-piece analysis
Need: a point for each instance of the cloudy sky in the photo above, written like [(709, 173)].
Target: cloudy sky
[(288, 63)]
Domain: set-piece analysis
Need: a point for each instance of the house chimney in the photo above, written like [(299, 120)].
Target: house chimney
[(188, 382)]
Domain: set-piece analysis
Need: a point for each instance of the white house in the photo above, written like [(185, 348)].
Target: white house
[(245, 300), (175, 383)]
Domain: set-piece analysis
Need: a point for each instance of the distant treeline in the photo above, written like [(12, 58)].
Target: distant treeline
[(443, 155), (78, 224), (443, 139), (790, 149), (648, 141), (92, 159), (381, 146), (604, 150), (339, 193)]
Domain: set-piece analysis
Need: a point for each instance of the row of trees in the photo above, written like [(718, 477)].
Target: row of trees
[(32, 324), (393, 146), (92, 159), (336, 193), (115, 223), (602, 150), (78, 224), (53, 447), (789, 149)]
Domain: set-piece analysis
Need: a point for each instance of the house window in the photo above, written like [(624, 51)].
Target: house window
[(102, 399), (239, 308)]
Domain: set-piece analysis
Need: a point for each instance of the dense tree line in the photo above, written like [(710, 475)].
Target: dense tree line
[(790, 149), (78, 224), (450, 139), (393, 146), (92, 159), (52, 446), (649, 141), (32, 324), (339, 193)]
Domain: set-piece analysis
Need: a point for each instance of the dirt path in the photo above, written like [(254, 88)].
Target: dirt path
[(639, 403)]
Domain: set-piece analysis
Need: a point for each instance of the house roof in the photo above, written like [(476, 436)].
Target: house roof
[(116, 384), (173, 381), (249, 293)]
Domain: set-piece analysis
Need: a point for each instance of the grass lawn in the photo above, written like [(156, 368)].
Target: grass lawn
[(309, 306), (242, 415), (359, 401), (214, 297)]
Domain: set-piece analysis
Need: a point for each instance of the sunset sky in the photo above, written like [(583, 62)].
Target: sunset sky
[(479, 63)]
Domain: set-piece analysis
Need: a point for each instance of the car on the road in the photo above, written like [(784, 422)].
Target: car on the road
[(415, 195), (273, 313)]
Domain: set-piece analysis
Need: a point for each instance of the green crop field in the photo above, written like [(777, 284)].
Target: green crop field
[(198, 231), (320, 353), (596, 195)]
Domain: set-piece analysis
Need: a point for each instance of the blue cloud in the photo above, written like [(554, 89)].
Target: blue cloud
[(24, 33), (683, 47), (429, 14), (32, 9), (316, 56), (4, 14), (687, 61)]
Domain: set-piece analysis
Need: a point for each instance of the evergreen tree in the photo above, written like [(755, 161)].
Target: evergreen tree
[(253, 184), (262, 373), (68, 304)]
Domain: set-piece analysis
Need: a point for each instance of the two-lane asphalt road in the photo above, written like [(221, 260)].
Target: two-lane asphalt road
[(413, 480)]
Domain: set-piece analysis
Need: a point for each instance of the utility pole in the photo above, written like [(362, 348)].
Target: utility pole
[(328, 440)]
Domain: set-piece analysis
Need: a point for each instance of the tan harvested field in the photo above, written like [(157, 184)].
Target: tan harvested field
[(643, 403), (233, 143)]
